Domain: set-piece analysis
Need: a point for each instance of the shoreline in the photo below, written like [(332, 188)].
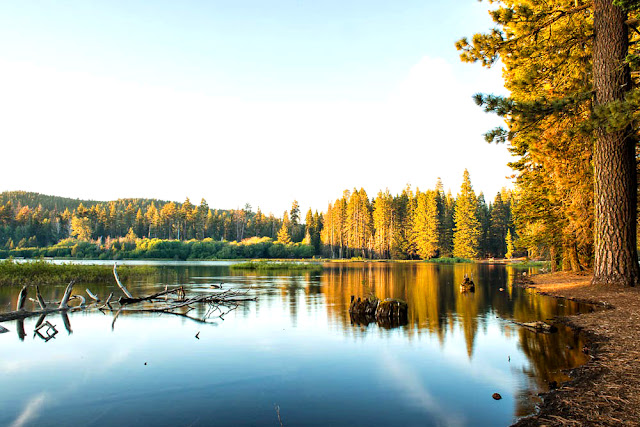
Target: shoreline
[(606, 390)]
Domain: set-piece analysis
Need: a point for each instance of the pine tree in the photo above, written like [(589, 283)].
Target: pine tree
[(484, 217), (557, 55), (426, 224), (80, 228), (467, 229), (283, 234), (383, 216), (295, 229), (201, 219), (509, 245), (447, 223)]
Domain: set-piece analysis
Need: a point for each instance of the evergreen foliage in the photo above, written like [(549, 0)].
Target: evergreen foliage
[(467, 232), (557, 123), (404, 226)]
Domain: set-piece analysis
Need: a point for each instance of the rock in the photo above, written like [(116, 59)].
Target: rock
[(496, 396)]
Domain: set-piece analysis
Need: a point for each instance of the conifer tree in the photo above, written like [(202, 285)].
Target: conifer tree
[(201, 219), (295, 228), (484, 219), (500, 219), (509, 245), (426, 224), (570, 117), (467, 229), (383, 220), (140, 223), (283, 234)]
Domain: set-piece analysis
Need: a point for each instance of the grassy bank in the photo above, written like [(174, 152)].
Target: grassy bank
[(531, 264), (266, 265), (45, 273), (453, 260)]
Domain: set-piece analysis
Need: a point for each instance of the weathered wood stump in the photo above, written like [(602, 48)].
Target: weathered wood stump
[(467, 285), (392, 308), (388, 313)]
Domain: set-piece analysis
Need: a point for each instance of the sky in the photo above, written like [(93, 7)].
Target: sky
[(243, 101)]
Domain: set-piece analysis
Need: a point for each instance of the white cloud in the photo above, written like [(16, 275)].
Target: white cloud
[(416, 391), (31, 410), (94, 137)]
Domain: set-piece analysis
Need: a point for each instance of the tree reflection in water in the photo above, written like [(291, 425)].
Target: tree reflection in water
[(437, 307)]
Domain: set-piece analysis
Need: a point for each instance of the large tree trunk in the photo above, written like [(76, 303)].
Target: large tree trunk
[(616, 260)]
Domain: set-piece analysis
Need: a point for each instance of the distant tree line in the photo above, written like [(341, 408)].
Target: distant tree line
[(421, 225)]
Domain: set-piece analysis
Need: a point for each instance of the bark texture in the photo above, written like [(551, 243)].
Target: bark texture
[(616, 260)]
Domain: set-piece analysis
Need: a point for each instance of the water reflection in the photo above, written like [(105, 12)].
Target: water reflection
[(437, 307), (475, 333)]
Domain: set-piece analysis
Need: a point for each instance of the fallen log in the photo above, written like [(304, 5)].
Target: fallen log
[(21, 299), (222, 302), (67, 294), (539, 327), (92, 295), (43, 305), (21, 313), (124, 301)]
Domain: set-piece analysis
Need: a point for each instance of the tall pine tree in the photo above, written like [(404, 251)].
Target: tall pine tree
[(466, 235)]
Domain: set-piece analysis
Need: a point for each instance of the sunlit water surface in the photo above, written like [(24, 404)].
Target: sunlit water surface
[(293, 354)]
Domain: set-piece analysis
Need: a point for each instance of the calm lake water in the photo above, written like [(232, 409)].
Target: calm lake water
[(294, 351)]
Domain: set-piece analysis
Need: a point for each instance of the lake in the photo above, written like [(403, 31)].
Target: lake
[(293, 356)]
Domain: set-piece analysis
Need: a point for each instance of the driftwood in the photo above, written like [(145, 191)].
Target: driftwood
[(106, 303), (21, 299), (22, 313), (43, 305), (119, 283), (174, 301), (92, 295), (539, 327), (124, 301), (64, 304)]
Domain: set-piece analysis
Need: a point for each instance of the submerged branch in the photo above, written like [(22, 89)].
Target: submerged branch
[(120, 285)]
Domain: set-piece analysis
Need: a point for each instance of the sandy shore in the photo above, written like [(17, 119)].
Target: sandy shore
[(605, 391)]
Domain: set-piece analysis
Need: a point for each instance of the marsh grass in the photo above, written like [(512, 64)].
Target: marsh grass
[(453, 260), (46, 273), (530, 264), (267, 265)]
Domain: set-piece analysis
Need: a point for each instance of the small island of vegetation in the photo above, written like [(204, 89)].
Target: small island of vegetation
[(46, 273), (268, 265)]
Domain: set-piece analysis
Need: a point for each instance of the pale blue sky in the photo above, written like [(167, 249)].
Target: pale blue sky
[(253, 84)]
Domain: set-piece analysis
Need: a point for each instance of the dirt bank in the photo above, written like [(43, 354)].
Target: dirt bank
[(605, 391)]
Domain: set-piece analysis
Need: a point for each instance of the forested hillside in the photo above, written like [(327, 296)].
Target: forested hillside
[(411, 225), (25, 198)]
